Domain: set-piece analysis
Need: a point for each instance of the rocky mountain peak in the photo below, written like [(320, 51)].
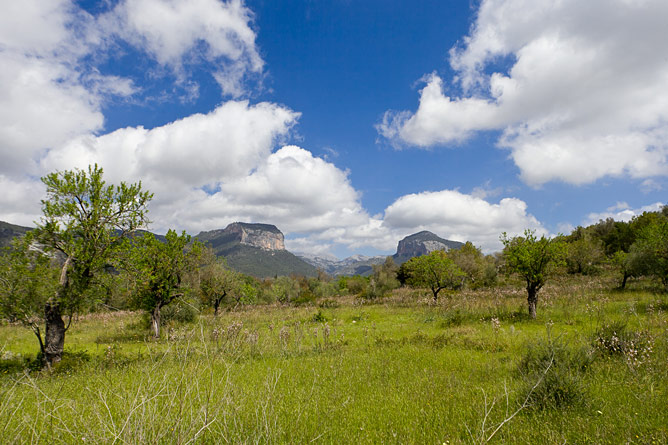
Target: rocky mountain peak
[(264, 236), (422, 243)]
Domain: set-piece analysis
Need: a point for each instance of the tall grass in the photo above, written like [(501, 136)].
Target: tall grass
[(401, 370)]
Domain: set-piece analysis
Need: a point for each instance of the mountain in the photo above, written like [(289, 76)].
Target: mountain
[(10, 231), (255, 249), (354, 265), (422, 243), (418, 244)]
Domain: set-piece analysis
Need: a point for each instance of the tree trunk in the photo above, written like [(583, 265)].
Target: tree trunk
[(532, 299), (54, 337), (626, 277), (435, 292), (155, 321), (216, 304)]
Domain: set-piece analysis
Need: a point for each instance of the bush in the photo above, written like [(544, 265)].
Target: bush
[(553, 374), (616, 340), (177, 312), (329, 303)]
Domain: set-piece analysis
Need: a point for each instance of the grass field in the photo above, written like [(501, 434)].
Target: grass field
[(592, 368)]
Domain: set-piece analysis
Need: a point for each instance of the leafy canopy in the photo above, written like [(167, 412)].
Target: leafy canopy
[(531, 257), (436, 270)]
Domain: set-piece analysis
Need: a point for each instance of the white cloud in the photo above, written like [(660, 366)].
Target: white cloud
[(178, 33), (621, 212), (42, 100), (177, 160), (20, 200), (51, 91), (585, 95), (461, 217)]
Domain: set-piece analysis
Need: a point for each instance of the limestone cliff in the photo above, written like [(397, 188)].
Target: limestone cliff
[(264, 236), (255, 249)]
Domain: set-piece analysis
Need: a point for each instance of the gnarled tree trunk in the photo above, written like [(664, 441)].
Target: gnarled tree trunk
[(54, 336), (155, 321), (532, 299)]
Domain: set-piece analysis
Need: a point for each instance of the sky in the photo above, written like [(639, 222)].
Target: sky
[(348, 124)]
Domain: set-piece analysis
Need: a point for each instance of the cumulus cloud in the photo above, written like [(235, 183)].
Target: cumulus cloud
[(176, 34), (198, 150), (20, 200), (584, 96), (206, 169), (461, 217), (42, 100), (621, 212), (51, 91)]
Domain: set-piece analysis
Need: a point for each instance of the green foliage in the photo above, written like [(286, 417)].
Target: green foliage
[(552, 372), (27, 280), (86, 220), (583, 253), (84, 223), (533, 259), (285, 289), (382, 280), (436, 271), (180, 311), (160, 269), (218, 284), (652, 243), (616, 236), (249, 293), (354, 285), (480, 270)]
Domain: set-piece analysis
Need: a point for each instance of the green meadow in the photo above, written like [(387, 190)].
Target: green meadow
[(470, 368)]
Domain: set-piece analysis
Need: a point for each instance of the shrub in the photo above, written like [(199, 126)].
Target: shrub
[(177, 312), (616, 340), (329, 303), (553, 374)]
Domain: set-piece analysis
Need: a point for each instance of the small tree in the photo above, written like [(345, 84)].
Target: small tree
[(533, 259), (285, 289), (84, 223), (383, 279), (160, 269), (583, 254), (652, 244), (480, 270), (437, 271), (217, 282), (27, 281)]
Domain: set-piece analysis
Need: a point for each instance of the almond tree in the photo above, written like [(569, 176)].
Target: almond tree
[(437, 271), (84, 224), (533, 259), (160, 270), (27, 280), (217, 282)]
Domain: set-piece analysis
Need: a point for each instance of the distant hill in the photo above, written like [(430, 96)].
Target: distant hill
[(255, 249), (422, 243), (10, 231), (418, 244), (354, 265)]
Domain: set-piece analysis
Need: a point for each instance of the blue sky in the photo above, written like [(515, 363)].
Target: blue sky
[(348, 124)]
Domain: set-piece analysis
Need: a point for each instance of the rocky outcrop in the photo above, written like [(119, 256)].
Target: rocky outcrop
[(422, 243), (255, 249), (264, 236)]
